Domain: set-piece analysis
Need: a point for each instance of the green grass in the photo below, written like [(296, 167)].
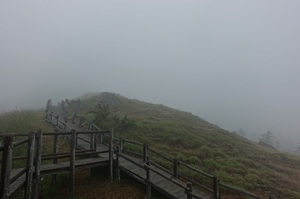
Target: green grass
[(234, 159), (177, 134)]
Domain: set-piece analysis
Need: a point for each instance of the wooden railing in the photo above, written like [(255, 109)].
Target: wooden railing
[(142, 150), (146, 154), (7, 161), (34, 159)]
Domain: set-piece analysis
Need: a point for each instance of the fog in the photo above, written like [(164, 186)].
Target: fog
[(234, 63)]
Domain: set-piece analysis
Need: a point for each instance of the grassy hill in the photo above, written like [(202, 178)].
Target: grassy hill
[(234, 159)]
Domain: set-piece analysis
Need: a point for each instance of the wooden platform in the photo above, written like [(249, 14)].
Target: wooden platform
[(79, 164), (161, 184), (17, 185)]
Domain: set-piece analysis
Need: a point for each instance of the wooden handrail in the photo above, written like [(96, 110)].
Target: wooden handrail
[(20, 142), (160, 155), (171, 179), (196, 170), (133, 142)]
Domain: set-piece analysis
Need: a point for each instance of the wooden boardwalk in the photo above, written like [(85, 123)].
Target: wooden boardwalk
[(96, 148), (136, 168)]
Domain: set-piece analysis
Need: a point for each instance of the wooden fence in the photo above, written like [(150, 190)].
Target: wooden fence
[(146, 153), (28, 176)]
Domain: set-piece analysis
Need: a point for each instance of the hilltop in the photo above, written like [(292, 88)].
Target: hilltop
[(234, 159)]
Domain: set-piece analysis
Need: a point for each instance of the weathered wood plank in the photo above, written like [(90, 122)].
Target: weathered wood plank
[(72, 163), (38, 161), (6, 166), (30, 165)]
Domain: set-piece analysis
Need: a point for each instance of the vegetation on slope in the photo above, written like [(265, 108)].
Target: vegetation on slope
[(234, 159)]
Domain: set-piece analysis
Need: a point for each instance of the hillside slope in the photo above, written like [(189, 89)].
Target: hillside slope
[(234, 159)]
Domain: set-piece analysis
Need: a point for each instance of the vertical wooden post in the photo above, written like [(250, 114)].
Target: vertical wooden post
[(6, 166), (216, 187), (81, 121), (38, 161), (65, 127), (118, 172), (30, 161), (72, 163), (175, 168), (189, 190), (92, 142), (73, 118), (121, 145), (148, 179), (57, 119), (51, 117), (55, 151), (145, 152), (101, 138), (111, 153)]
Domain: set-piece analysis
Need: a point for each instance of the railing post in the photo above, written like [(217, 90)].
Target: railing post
[(189, 190), (38, 161), (51, 113), (65, 127), (81, 121), (57, 119), (111, 153), (145, 152), (175, 168), (118, 172), (101, 138), (92, 140), (216, 187), (72, 163), (121, 142), (148, 179), (55, 151), (30, 161), (73, 118), (6, 166)]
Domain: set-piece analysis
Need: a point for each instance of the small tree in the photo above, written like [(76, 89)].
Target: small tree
[(241, 132), (49, 105), (267, 138), (105, 119), (298, 147)]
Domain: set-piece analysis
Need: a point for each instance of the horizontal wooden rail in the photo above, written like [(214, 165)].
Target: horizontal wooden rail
[(160, 155), (132, 142), (19, 174), (130, 160), (196, 170), (161, 167), (132, 153), (94, 132), (170, 178), (20, 142), (14, 134), (85, 140)]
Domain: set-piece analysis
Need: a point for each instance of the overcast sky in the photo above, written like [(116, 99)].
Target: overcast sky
[(234, 63)]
